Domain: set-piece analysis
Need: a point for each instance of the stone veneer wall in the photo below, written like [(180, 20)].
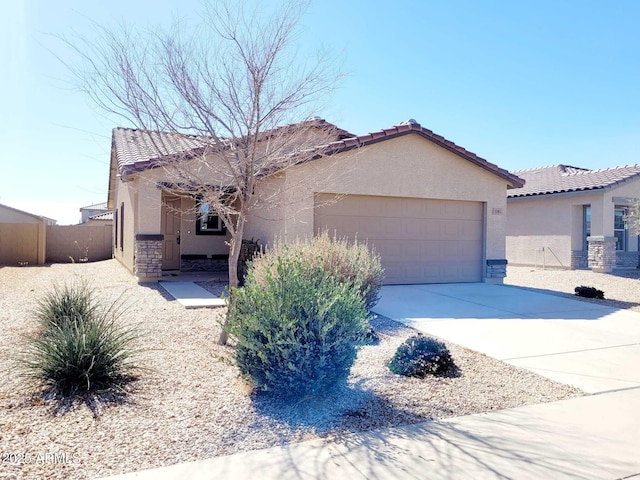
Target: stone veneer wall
[(579, 259), (627, 259), (496, 268), (602, 253), (204, 263), (148, 257)]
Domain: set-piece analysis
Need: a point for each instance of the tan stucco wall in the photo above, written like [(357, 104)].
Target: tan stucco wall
[(540, 231), (125, 193), (406, 166), (190, 243)]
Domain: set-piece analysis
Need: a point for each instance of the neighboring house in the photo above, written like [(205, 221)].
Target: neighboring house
[(572, 217), (93, 210), (13, 215), (105, 219), (434, 211)]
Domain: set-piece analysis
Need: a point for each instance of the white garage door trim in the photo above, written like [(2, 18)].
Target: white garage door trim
[(419, 240)]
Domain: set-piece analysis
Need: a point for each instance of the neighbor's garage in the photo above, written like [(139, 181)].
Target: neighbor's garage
[(419, 240)]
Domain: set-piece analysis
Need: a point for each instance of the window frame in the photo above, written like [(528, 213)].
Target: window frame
[(624, 230), (203, 219), (122, 227), (586, 226)]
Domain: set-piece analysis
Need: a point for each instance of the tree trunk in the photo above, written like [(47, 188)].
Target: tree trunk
[(234, 255)]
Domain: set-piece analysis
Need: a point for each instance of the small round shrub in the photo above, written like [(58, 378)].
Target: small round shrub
[(419, 356), (589, 292), (78, 352), (297, 329)]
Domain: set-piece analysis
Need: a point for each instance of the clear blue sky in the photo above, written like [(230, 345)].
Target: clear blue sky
[(522, 84)]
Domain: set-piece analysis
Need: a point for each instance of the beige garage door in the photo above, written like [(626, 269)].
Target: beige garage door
[(419, 241)]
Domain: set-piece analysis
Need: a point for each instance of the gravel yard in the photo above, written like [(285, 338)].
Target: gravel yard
[(191, 403), (621, 288)]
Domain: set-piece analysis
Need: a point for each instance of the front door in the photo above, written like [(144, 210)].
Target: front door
[(171, 231)]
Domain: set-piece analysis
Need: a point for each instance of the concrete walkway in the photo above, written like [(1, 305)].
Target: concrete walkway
[(191, 295), (592, 437)]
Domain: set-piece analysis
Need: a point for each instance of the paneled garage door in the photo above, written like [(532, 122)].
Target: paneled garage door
[(419, 240)]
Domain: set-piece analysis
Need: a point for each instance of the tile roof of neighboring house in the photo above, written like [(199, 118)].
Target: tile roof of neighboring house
[(102, 216), (565, 178), (97, 206), (136, 150)]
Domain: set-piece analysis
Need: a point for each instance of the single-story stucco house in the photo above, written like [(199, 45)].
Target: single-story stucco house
[(571, 217), (434, 211)]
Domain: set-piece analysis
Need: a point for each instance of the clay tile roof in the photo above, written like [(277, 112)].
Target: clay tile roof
[(102, 216), (411, 127), (566, 178), (136, 149)]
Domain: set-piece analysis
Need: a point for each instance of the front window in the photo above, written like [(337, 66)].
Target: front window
[(207, 222), (586, 226), (620, 228)]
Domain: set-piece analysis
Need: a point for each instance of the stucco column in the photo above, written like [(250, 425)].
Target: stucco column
[(149, 208), (148, 240), (602, 253)]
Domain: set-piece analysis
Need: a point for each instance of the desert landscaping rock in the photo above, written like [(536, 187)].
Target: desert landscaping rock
[(620, 287), (190, 402)]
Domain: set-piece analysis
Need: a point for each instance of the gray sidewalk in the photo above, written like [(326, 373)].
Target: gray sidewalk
[(594, 437)]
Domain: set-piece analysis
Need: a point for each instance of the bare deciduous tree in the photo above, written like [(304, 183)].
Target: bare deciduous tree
[(233, 83)]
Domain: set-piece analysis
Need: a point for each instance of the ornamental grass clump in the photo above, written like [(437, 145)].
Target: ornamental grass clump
[(82, 348), (297, 328), (420, 356), (66, 304)]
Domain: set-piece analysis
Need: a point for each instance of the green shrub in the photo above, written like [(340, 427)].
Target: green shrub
[(83, 348), (419, 356), (66, 304), (297, 329), (350, 261)]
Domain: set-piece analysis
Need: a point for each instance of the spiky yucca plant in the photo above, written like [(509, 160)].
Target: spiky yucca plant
[(82, 347)]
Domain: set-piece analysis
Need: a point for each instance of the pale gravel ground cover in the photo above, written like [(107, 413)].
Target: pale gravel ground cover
[(191, 404), (621, 288)]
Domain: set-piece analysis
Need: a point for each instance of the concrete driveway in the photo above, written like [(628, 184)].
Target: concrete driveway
[(590, 346)]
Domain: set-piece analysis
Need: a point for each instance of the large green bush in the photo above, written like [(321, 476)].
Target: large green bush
[(419, 356), (297, 328), (349, 261), (81, 347)]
